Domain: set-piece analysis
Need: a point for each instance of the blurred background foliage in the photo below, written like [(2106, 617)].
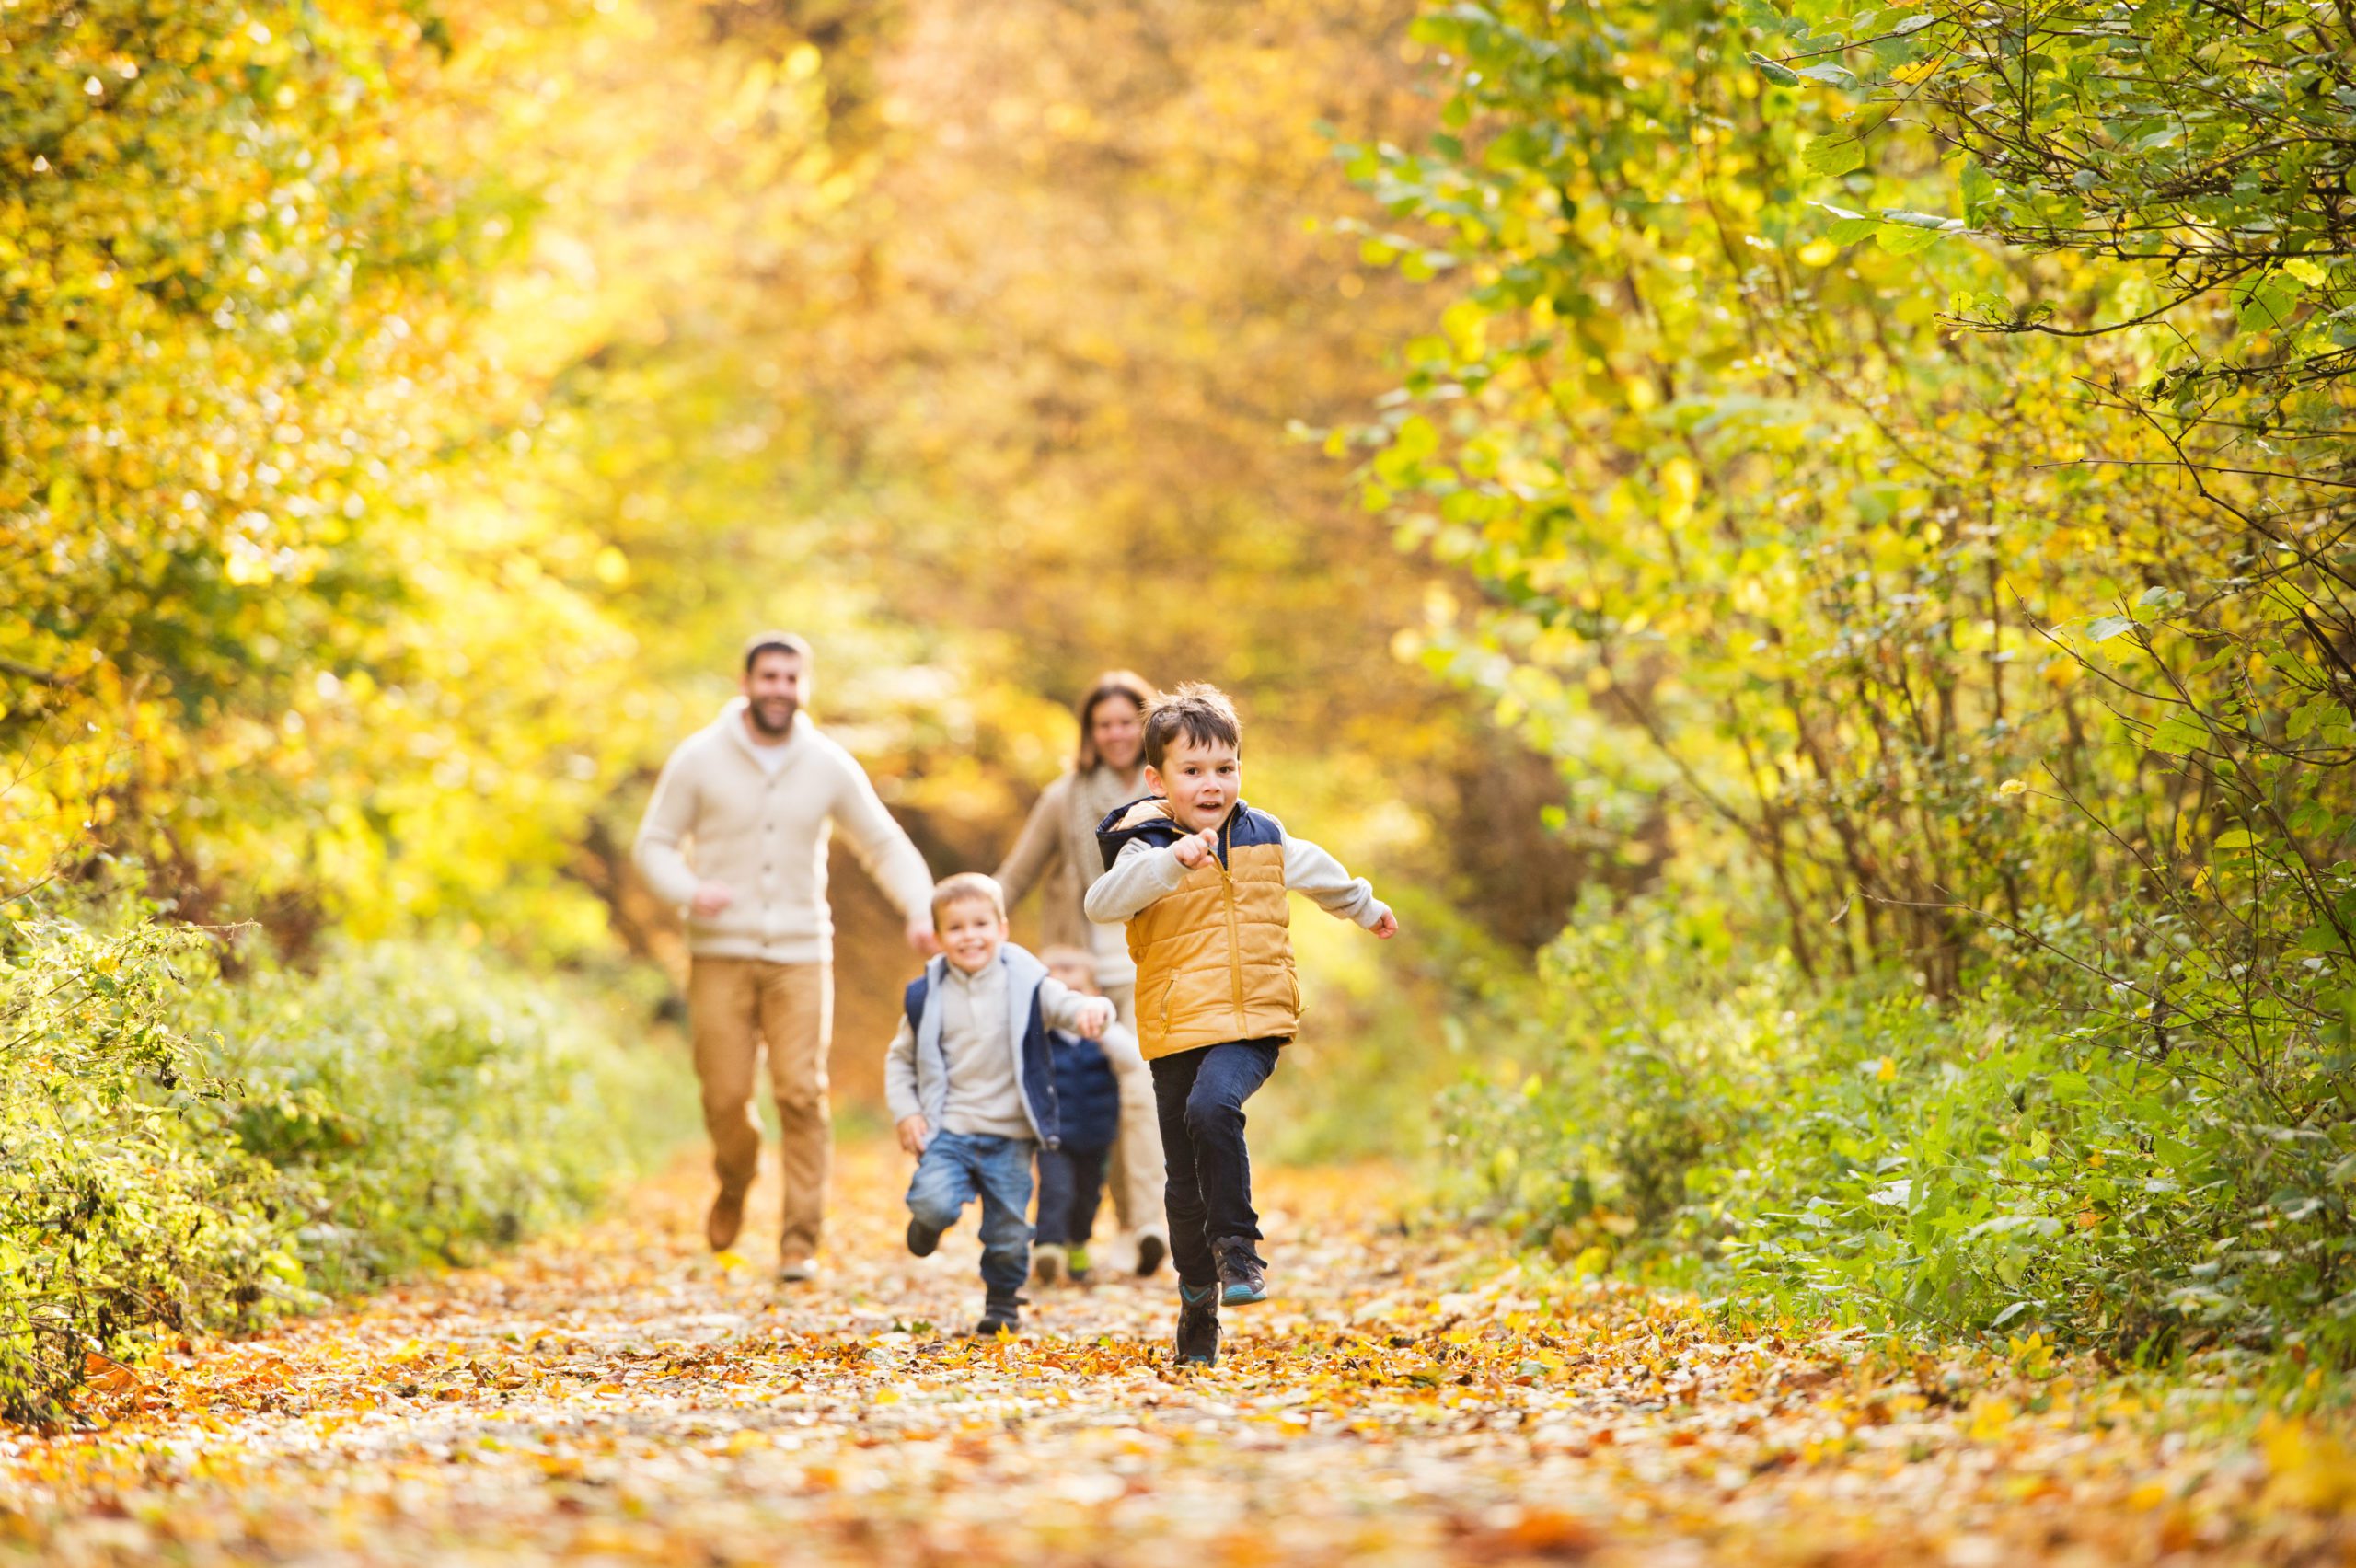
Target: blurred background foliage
[(1806, 546), (1904, 452)]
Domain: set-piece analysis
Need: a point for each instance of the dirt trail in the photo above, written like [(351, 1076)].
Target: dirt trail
[(616, 1396)]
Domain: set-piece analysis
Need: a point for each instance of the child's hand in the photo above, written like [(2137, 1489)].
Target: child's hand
[(1095, 1018), (1196, 848), (1386, 928), (914, 1134)]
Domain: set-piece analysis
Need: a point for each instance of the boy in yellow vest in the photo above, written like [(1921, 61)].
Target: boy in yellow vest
[(1201, 879)]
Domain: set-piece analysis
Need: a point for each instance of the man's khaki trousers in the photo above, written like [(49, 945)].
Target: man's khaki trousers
[(735, 1006)]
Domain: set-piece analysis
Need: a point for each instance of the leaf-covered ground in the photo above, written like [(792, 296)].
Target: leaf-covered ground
[(619, 1396)]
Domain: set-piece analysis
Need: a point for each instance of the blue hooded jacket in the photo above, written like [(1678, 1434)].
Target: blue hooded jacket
[(1088, 1097)]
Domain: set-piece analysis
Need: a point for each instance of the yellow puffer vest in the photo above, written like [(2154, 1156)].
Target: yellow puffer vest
[(1215, 956)]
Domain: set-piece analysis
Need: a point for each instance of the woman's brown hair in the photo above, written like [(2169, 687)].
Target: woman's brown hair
[(1110, 684)]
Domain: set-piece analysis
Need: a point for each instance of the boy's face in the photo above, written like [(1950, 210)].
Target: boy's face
[(1201, 779), (970, 931), (1077, 977)]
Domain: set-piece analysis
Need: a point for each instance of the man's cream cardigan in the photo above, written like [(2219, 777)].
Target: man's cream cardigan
[(765, 835)]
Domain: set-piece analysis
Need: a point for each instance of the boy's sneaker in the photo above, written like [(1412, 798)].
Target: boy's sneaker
[(922, 1238), (1000, 1318), (1048, 1261), (1241, 1280), (1075, 1264), (1151, 1250), (1197, 1326)]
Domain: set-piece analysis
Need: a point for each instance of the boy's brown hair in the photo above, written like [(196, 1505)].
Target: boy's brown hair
[(1197, 711), (968, 887)]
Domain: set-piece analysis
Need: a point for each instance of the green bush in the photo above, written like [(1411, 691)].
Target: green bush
[(121, 1207), (431, 1104), (178, 1151), (1856, 1149)]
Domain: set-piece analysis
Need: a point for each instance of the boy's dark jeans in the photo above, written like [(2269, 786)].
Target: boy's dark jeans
[(1071, 1184), (1200, 1096)]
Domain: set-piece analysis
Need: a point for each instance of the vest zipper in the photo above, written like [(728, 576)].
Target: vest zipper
[(1234, 928)]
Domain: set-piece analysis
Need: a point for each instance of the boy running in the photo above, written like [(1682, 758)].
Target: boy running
[(1200, 878), (970, 1080)]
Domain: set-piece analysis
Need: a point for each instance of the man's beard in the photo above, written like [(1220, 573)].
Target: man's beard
[(756, 710)]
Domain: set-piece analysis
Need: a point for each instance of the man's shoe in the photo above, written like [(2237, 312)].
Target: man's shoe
[(797, 1271), (1151, 1250), (1242, 1281), (722, 1226), (1197, 1326), (1047, 1263), (922, 1238)]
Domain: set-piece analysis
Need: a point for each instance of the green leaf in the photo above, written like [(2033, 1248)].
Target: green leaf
[(1782, 75), (2103, 628), (2181, 736), (1977, 188), (2266, 303), (1836, 153), (1900, 240)]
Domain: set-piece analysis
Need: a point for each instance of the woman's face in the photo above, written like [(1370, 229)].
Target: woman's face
[(1116, 725)]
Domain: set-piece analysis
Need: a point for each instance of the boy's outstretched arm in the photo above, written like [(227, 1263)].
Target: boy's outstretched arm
[(1142, 874), (1310, 870), (1065, 1008)]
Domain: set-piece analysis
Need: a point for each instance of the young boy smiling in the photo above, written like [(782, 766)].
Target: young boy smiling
[(1201, 878), (970, 1081)]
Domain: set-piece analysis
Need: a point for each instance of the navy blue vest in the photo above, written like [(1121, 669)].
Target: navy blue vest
[(1036, 1072)]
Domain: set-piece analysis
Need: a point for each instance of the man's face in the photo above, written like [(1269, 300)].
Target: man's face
[(1201, 779), (970, 931), (1117, 727), (773, 690)]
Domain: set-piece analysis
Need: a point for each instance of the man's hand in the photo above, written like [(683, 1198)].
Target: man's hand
[(710, 898), (1196, 848), (1095, 1017), (1386, 928), (920, 937), (915, 1132)]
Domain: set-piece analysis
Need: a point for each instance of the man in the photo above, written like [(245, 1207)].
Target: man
[(757, 795)]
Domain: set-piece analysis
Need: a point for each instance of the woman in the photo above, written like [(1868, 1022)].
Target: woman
[(1057, 851)]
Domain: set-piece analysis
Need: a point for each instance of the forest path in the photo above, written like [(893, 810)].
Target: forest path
[(615, 1395)]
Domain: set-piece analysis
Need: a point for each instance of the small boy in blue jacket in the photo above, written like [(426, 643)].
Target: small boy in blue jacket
[(1088, 1111), (970, 1079)]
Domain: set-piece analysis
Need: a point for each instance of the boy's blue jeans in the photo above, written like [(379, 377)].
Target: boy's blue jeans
[(955, 1169), (1200, 1095)]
